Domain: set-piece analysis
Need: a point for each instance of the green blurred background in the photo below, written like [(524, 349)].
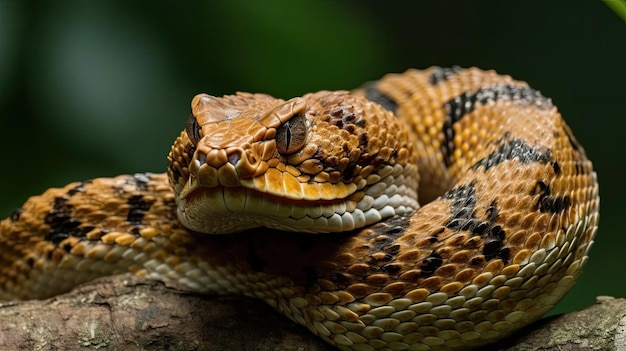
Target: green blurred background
[(91, 89)]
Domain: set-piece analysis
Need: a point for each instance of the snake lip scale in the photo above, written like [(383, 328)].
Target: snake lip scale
[(436, 209)]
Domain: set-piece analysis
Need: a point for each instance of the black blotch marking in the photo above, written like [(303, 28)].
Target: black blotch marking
[(15, 215), (463, 218), (253, 259), (67, 247), (443, 74), (396, 225), (480, 228), (385, 239), (497, 233), (514, 149), (391, 268), (373, 94), (504, 254), (383, 244), (395, 231), (87, 228), (430, 264), (59, 219), (138, 206), (548, 203), (491, 247), (463, 206), (393, 227), (465, 103), (557, 167), (494, 248), (580, 168), (447, 146), (78, 188)]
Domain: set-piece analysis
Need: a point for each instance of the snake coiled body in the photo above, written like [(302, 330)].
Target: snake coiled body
[(430, 210)]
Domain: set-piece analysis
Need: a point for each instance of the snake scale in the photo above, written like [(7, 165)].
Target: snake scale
[(316, 202)]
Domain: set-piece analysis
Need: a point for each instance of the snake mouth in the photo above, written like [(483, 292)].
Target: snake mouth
[(222, 210), (233, 197), (277, 201)]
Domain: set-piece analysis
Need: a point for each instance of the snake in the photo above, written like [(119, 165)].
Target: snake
[(435, 209)]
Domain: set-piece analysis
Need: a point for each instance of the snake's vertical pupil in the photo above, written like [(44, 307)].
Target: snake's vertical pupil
[(288, 135), (291, 135), (192, 129)]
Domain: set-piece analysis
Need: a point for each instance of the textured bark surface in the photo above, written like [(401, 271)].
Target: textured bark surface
[(598, 327), (123, 313)]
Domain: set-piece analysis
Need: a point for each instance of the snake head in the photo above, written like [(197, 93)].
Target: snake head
[(324, 162)]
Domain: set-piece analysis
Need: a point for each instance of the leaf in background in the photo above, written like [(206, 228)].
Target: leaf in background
[(619, 6)]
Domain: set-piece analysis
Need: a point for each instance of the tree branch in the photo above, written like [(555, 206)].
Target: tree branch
[(125, 313)]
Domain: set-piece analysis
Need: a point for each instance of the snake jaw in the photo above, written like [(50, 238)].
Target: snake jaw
[(277, 200)]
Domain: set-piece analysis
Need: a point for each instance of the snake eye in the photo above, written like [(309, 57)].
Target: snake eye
[(291, 135), (192, 129)]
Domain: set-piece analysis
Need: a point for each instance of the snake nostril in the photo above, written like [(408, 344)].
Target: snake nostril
[(233, 158), (201, 157)]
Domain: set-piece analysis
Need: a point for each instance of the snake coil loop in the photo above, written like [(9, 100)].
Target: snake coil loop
[(441, 209)]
